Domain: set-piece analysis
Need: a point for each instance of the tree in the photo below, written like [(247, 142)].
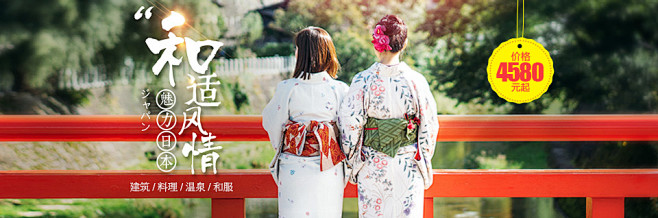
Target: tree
[(350, 24), (252, 24), (604, 56), (603, 51), (41, 38)]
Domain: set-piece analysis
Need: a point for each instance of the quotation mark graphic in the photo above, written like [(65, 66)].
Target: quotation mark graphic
[(147, 13)]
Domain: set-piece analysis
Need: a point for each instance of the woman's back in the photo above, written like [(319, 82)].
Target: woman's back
[(317, 98)]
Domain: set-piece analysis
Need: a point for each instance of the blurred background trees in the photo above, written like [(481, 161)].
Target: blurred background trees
[(40, 39), (604, 51)]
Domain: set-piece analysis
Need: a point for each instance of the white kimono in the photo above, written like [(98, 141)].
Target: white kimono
[(304, 190), (389, 187)]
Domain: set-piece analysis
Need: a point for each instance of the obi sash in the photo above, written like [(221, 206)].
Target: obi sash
[(388, 135), (318, 138)]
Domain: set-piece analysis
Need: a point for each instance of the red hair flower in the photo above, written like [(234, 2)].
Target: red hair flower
[(381, 40)]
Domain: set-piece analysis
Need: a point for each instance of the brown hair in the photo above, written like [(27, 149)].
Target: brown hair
[(396, 30), (316, 53)]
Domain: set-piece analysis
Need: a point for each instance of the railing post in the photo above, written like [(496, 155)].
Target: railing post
[(428, 207), (228, 207), (605, 207)]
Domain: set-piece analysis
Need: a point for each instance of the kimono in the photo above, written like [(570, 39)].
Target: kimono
[(311, 180), (389, 186)]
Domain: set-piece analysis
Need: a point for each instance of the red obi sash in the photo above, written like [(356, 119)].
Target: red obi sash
[(318, 138)]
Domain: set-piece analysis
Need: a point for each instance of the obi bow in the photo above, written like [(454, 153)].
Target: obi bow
[(305, 140)]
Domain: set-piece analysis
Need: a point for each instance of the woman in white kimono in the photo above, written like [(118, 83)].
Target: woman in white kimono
[(388, 129), (300, 120)]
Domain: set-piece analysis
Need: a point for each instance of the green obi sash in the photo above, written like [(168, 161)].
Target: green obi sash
[(387, 135)]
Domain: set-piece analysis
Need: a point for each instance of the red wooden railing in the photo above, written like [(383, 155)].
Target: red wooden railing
[(604, 189)]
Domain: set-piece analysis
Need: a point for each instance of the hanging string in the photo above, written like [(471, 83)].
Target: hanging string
[(522, 18)]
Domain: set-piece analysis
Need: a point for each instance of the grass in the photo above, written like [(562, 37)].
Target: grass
[(250, 155), (234, 155), (92, 207), (533, 155)]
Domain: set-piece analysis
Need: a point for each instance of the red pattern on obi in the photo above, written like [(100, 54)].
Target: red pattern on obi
[(319, 138)]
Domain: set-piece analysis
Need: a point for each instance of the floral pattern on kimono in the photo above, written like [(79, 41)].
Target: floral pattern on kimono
[(318, 138), (308, 186), (386, 92), (394, 184), (390, 187), (301, 101)]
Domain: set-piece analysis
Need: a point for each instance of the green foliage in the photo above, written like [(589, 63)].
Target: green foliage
[(505, 155), (603, 51), (203, 19), (355, 53), (41, 38), (350, 23), (495, 161), (153, 208), (243, 52), (240, 155), (240, 98), (95, 207), (276, 49), (252, 24), (641, 207), (72, 97), (331, 15), (532, 155), (619, 155), (61, 34), (572, 207), (239, 51)]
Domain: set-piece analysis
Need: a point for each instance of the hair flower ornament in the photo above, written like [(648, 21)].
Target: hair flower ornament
[(381, 40)]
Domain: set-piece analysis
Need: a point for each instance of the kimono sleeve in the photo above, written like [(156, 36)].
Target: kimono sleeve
[(351, 118), (429, 124), (275, 114)]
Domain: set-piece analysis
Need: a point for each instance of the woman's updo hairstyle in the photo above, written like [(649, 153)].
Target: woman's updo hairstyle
[(396, 30)]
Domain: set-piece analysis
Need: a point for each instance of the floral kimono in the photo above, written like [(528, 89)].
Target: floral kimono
[(389, 186), (308, 166)]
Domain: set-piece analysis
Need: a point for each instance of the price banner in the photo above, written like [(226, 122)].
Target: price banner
[(520, 70)]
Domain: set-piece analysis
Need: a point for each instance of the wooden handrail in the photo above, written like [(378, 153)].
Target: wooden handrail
[(248, 128), (259, 184), (605, 189)]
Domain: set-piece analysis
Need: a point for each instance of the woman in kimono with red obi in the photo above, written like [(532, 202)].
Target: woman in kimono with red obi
[(388, 129), (301, 123)]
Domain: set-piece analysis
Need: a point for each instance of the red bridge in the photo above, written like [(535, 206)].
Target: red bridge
[(605, 189)]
